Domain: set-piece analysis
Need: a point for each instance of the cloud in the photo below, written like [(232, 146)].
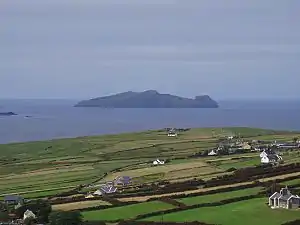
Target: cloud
[(89, 45)]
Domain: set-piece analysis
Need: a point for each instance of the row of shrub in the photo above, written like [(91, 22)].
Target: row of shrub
[(162, 187), (160, 223), (295, 222), (210, 192), (252, 173), (173, 202), (112, 201)]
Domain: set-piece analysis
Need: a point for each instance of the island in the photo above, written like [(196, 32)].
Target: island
[(8, 114), (148, 99)]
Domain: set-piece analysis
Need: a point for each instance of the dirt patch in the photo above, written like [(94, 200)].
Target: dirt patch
[(191, 172), (47, 171), (280, 177), (159, 169), (79, 205)]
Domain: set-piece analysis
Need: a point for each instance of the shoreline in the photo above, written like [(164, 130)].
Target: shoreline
[(138, 132)]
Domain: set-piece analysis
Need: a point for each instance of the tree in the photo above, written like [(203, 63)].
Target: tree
[(295, 139), (4, 217), (30, 220), (65, 218), (41, 208), (3, 207)]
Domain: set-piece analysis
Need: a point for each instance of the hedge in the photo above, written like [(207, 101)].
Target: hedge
[(161, 223)]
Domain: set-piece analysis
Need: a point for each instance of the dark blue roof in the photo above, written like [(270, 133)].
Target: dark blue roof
[(12, 198)]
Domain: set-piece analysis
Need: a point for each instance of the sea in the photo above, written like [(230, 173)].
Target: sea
[(52, 119)]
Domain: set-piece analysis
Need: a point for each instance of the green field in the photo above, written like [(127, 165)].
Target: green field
[(126, 212), (68, 163), (219, 196), (248, 212), (292, 182), (45, 168)]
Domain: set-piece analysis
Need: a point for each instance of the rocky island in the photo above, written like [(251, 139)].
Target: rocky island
[(148, 99), (8, 114)]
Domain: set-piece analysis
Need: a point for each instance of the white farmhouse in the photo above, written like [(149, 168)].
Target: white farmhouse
[(172, 134), (158, 162), (269, 157), (212, 152)]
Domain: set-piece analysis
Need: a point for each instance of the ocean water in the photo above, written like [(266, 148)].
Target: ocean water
[(50, 119)]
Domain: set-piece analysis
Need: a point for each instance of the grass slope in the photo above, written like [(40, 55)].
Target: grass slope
[(248, 212), (219, 196), (70, 162), (126, 212)]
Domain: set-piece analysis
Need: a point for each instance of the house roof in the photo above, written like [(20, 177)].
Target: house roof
[(12, 198), (123, 180), (108, 189), (275, 195), (294, 196), (285, 197), (98, 192)]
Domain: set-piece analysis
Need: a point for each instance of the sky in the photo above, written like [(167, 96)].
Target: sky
[(82, 49)]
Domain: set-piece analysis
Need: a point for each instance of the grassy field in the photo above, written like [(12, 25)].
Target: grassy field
[(45, 168), (71, 162), (126, 212), (248, 212)]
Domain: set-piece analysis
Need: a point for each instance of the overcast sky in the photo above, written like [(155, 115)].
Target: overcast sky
[(89, 48)]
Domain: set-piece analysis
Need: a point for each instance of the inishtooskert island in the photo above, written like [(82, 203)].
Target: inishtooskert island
[(148, 99)]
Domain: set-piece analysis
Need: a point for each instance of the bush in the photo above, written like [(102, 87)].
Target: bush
[(295, 222), (232, 169)]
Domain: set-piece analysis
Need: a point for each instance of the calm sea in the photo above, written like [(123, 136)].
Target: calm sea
[(50, 119)]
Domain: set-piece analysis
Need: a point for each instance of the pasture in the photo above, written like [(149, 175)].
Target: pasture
[(126, 212), (46, 168), (78, 205), (247, 212), (219, 196), (68, 163)]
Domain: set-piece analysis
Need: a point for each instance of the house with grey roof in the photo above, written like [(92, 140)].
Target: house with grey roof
[(269, 156), (122, 180), (13, 199), (108, 189), (172, 133), (284, 199)]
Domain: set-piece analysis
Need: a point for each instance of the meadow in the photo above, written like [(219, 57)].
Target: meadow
[(68, 163), (46, 168), (247, 212), (126, 212)]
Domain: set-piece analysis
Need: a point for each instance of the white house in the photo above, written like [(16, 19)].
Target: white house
[(158, 162), (263, 154), (284, 199), (269, 157), (98, 192), (172, 134), (212, 152)]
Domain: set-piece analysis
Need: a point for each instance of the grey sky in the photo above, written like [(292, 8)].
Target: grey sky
[(89, 48)]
